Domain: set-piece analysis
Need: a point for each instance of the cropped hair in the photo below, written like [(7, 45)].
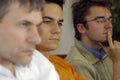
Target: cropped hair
[(58, 2), (81, 9), (29, 4)]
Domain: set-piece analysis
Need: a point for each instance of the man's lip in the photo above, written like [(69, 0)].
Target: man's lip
[(105, 33), (54, 39)]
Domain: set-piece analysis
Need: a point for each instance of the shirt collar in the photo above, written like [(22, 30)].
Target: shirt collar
[(97, 54), (6, 74)]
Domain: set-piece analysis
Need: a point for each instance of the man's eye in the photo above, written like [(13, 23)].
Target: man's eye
[(60, 24), (25, 24), (100, 20), (46, 22)]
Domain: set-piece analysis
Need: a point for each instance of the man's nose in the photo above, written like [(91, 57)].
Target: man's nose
[(34, 36)]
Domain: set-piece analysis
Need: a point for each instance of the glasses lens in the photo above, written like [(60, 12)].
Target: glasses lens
[(100, 19)]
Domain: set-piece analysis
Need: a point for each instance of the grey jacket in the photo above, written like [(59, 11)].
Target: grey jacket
[(88, 65)]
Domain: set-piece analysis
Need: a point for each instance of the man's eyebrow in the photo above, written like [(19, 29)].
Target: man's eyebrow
[(26, 22), (61, 20), (47, 17), (103, 17), (100, 17), (111, 17)]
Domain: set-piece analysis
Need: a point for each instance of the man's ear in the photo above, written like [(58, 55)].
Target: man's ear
[(81, 28)]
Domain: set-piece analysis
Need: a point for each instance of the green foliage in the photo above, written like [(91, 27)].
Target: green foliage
[(116, 21)]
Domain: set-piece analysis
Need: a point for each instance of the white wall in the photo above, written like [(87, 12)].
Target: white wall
[(67, 29)]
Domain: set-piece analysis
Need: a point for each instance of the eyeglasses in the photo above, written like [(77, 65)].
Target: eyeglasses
[(101, 19)]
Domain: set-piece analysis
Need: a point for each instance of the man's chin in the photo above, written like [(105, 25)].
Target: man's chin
[(24, 63)]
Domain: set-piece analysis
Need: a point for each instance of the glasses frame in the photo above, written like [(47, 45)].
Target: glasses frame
[(101, 19)]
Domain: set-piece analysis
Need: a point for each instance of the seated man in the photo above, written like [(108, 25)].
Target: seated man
[(19, 20), (92, 22), (50, 32)]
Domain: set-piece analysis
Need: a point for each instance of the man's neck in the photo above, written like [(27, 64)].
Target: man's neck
[(94, 45), (45, 53)]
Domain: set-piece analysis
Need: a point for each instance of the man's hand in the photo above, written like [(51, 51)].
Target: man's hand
[(114, 48)]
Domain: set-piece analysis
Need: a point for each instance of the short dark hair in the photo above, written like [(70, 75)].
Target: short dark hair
[(59, 2), (30, 4), (81, 10)]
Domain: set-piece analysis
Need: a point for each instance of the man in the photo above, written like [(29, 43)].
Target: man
[(50, 32), (92, 22), (19, 20)]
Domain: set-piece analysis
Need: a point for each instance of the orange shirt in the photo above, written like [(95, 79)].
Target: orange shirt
[(64, 70)]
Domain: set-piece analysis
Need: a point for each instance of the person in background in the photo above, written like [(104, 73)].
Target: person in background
[(50, 33), (19, 60), (92, 22)]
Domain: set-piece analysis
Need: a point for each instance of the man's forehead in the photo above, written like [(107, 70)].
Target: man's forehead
[(99, 11)]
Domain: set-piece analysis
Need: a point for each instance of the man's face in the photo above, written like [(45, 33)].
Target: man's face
[(18, 34), (50, 30), (99, 23)]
